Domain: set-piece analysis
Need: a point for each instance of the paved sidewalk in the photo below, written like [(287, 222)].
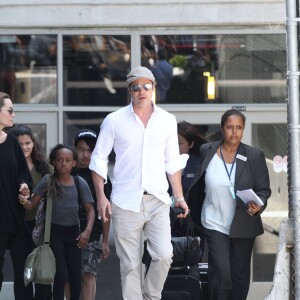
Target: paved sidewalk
[(7, 291)]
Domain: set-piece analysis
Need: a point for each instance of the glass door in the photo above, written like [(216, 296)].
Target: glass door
[(44, 127)]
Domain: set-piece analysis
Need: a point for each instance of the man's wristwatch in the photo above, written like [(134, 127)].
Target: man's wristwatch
[(179, 199)]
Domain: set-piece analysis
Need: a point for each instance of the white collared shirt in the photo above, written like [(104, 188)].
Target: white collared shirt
[(143, 155)]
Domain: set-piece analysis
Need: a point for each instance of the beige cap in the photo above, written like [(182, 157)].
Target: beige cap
[(140, 72)]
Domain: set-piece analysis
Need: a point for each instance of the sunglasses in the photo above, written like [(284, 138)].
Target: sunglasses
[(138, 87), (10, 110)]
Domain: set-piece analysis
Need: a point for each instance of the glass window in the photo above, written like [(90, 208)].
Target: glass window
[(217, 68), (95, 69), (28, 68), (212, 132), (271, 139), (39, 134), (74, 121)]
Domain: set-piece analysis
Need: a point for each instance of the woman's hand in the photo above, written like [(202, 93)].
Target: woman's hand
[(23, 199), (24, 193), (24, 190), (253, 208)]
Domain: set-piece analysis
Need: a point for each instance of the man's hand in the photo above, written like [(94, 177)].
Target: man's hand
[(184, 206), (104, 209)]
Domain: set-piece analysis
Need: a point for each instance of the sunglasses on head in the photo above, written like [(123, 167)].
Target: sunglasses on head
[(138, 87), (10, 110)]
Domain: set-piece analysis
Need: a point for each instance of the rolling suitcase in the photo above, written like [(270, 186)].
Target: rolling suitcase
[(182, 287), (188, 284), (203, 268)]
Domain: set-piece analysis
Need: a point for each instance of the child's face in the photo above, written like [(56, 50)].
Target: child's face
[(26, 144), (64, 161), (83, 154)]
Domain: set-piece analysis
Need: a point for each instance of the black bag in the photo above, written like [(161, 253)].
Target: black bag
[(186, 251)]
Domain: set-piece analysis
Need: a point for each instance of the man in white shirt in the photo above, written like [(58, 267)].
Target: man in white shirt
[(144, 138)]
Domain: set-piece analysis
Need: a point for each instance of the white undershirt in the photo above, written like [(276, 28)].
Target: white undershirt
[(219, 206)]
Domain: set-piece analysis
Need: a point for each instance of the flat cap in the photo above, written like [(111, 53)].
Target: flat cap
[(140, 72)]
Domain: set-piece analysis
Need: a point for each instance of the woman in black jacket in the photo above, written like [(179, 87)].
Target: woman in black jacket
[(229, 225), (14, 178)]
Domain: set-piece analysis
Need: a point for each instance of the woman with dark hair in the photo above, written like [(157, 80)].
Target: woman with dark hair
[(21, 247), (229, 225), (34, 155), (66, 240), (189, 141), (14, 179)]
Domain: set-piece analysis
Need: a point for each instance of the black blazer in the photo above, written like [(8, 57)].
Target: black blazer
[(251, 172)]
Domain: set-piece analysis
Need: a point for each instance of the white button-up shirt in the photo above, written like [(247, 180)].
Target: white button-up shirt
[(143, 155)]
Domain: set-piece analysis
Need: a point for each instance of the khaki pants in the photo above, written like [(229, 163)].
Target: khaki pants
[(153, 219)]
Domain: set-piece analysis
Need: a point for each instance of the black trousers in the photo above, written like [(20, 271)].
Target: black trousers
[(68, 261), (229, 262), (20, 248)]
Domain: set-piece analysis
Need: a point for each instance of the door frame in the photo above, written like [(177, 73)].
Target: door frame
[(50, 119)]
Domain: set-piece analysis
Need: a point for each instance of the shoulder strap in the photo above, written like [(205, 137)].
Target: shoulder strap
[(76, 180), (48, 217)]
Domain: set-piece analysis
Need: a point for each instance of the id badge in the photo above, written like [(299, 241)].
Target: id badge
[(231, 189)]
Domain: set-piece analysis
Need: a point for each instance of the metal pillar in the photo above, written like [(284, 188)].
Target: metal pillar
[(294, 133)]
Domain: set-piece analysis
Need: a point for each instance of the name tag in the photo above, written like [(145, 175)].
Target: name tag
[(231, 189), (241, 157), (190, 175)]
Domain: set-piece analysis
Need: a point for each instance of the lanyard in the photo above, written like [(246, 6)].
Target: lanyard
[(228, 173)]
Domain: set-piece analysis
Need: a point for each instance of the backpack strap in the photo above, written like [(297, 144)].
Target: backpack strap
[(48, 217), (76, 180)]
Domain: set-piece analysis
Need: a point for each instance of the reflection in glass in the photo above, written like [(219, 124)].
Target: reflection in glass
[(217, 68), (271, 139), (74, 121), (28, 68), (212, 132), (95, 69)]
